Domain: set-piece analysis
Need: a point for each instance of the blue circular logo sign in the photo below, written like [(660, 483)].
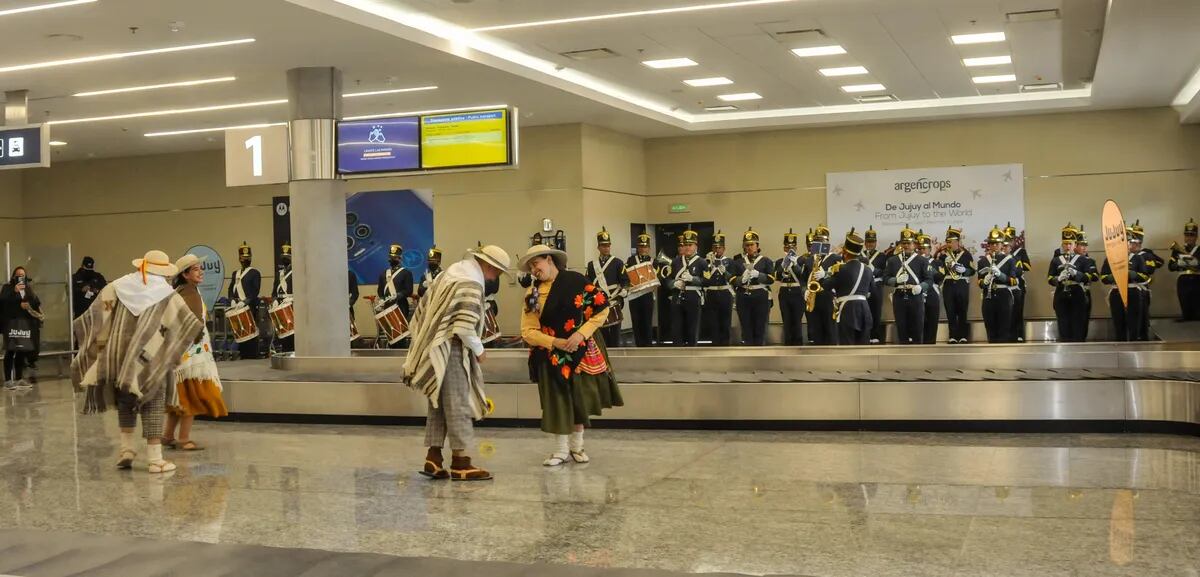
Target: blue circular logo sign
[(214, 273)]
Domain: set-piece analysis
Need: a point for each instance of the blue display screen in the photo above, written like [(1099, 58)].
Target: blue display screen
[(21, 147), (378, 145)]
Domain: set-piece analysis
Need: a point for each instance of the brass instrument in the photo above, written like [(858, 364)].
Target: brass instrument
[(813, 286)]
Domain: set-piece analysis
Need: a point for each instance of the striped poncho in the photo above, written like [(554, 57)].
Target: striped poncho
[(451, 308)]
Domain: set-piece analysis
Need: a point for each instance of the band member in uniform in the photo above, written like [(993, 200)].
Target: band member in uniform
[(608, 272), (1124, 314), (1068, 273), (1016, 246), (850, 282), (997, 271), (641, 307), (876, 262), (666, 311), (956, 294), (718, 295), (908, 272), (1139, 316), (433, 268), (790, 272), (821, 328), (283, 290), (395, 287), (1081, 248), (933, 298), (686, 277), (1185, 260), (244, 288), (352, 288), (751, 277)]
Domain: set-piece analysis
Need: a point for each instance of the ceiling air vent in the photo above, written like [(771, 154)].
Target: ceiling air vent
[(589, 54), (875, 98), (1033, 15), (1041, 87), (800, 37)]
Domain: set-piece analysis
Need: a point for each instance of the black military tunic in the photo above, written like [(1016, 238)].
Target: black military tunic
[(685, 277), (753, 296), (791, 274), (250, 281), (995, 281), (641, 308), (933, 301), (1185, 260), (718, 300), (395, 286), (851, 287), (821, 328), (876, 261), (613, 283), (956, 293), (1069, 275), (908, 303)]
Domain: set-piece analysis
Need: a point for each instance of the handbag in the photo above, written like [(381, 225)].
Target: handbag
[(19, 335)]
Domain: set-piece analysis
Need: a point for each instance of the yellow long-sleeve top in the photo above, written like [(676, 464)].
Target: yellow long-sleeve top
[(531, 326)]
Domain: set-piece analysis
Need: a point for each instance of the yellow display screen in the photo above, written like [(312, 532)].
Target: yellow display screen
[(465, 139)]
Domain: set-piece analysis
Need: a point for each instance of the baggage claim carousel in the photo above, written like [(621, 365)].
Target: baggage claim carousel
[(1051, 387)]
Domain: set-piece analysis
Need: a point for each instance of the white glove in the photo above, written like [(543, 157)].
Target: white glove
[(754, 273), (960, 269), (746, 276), (621, 293), (425, 283), (987, 280), (916, 289), (678, 284), (685, 276), (902, 278), (819, 274)]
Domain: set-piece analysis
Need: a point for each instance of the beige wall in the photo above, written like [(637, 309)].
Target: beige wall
[(11, 226), (614, 187)]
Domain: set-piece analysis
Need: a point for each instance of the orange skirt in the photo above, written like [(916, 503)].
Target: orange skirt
[(199, 397)]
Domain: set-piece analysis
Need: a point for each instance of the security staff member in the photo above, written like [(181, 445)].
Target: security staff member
[(751, 276), (608, 272), (876, 262), (86, 284), (790, 273), (1068, 273), (933, 298), (850, 283), (395, 287), (908, 272), (821, 329), (718, 294), (1185, 260), (685, 275), (958, 265), (1081, 248), (433, 268), (283, 290), (1016, 247), (244, 288), (997, 271), (641, 306)]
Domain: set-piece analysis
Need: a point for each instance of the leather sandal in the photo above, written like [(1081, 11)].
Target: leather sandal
[(125, 460), (462, 470), (580, 457), (555, 460), (161, 467), (189, 446), (433, 465)]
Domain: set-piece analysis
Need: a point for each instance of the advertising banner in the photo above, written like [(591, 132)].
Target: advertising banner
[(1116, 247)]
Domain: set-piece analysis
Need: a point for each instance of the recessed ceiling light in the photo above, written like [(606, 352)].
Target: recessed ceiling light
[(721, 108), (818, 51), (670, 63), (217, 129), (49, 6), (170, 112), (393, 91), (739, 96), (843, 71), (994, 79), (714, 81), (854, 88), (419, 112), (610, 16), (1041, 87), (988, 60), (981, 38), (157, 86), (58, 143), (119, 55)]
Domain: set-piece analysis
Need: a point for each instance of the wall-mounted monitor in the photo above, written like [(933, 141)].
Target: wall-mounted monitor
[(467, 140), (378, 145)]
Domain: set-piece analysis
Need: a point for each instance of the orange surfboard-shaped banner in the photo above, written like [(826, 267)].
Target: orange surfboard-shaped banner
[(1116, 247)]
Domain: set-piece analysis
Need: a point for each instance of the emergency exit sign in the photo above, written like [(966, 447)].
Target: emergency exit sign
[(680, 207), (24, 146)]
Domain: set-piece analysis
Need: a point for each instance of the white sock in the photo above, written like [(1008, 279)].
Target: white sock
[(154, 453), (577, 442), (561, 442), (126, 441)]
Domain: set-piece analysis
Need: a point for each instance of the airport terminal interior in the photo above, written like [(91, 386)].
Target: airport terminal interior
[(600, 288)]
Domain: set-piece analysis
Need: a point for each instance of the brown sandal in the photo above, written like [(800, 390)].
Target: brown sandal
[(462, 470), (189, 446), (433, 465)]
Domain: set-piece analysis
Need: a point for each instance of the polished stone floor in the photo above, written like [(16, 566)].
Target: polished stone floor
[(833, 504)]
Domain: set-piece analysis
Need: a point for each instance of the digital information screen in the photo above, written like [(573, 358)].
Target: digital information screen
[(378, 145), (465, 139), (24, 147)]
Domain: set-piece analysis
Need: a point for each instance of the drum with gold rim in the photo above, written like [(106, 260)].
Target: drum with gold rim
[(642, 279), (393, 323), (283, 318), (241, 323)]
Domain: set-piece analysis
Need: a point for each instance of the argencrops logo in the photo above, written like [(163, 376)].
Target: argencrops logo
[(923, 185)]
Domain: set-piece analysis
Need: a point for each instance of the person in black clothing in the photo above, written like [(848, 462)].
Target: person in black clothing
[(244, 288), (85, 285), (352, 288), (641, 306), (395, 287), (791, 273), (1185, 260), (908, 272), (1131, 320), (850, 283), (433, 267), (283, 290), (958, 266), (997, 272), (718, 294), (1015, 245), (1081, 248), (685, 275), (933, 298), (876, 261), (821, 328), (608, 273), (1068, 273), (20, 322), (751, 276)]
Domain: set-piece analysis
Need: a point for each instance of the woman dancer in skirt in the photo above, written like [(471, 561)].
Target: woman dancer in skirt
[(195, 387)]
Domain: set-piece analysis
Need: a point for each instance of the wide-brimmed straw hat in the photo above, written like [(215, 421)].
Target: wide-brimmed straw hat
[(156, 262), (560, 257), (188, 261), (494, 256)]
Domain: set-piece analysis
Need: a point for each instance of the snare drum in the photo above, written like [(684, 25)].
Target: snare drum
[(616, 314), (393, 323), (642, 279), (283, 319), (241, 323), (491, 328)]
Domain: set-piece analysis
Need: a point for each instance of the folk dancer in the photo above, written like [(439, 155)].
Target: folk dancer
[(244, 289), (751, 276), (791, 273), (997, 271), (908, 273), (282, 291), (686, 277), (395, 287), (523, 278), (641, 306), (959, 266), (850, 283), (876, 262), (608, 273), (718, 293), (1185, 260), (821, 328), (933, 298)]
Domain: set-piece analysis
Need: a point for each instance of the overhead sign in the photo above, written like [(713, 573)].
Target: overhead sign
[(973, 198), (680, 207), (256, 156), (1116, 247), (214, 274), (380, 145), (464, 139), (24, 146), (479, 139)]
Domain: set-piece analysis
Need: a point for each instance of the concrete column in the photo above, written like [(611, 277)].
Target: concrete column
[(318, 208), (16, 107)]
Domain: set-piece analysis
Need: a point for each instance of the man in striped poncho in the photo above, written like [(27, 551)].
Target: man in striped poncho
[(444, 357)]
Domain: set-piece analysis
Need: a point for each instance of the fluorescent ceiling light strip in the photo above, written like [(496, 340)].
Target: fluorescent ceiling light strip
[(217, 129), (170, 112), (614, 15), (819, 51), (38, 7), (119, 55), (670, 63), (158, 86), (854, 88), (58, 143), (394, 91), (981, 38), (720, 108), (715, 81), (740, 96), (843, 71), (1189, 91), (420, 112), (988, 60), (994, 79)]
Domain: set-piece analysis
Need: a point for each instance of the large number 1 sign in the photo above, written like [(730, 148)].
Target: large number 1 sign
[(254, 144), (256, 156)]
